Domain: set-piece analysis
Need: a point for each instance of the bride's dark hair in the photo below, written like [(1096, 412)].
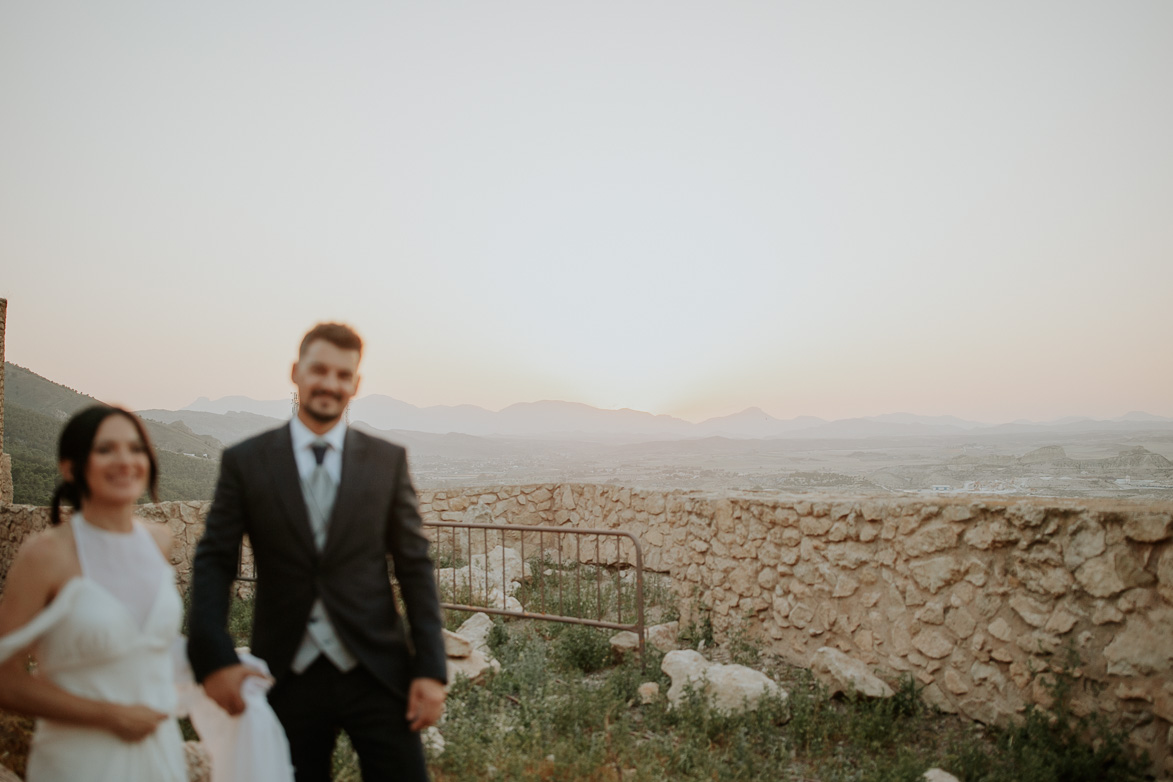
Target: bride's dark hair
[(75, 445)]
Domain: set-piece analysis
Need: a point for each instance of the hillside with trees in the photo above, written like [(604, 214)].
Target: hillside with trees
[(31, 439), (35, 410)]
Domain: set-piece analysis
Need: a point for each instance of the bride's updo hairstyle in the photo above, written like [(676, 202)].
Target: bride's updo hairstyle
[(77, 441)]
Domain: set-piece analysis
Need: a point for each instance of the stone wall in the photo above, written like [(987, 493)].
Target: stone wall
[(976, 598), (186, 520), (17, 524), (5, 459)]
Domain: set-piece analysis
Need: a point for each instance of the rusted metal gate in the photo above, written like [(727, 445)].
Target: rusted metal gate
[(615, 575), (571, 562)]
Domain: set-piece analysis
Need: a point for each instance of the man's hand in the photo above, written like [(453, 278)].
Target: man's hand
[(425, 703), (223, 686), (132, 723)]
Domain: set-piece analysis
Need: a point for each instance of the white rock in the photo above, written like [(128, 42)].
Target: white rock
[(433, 740), (648, 692), (456, 646), (472, 581), (625, 643), (735, 687), (472, 667), (476, 629), (729, 688), (498, 599), (664, 636), (683, 666), (195, 758), (503, 565), (842, 673), (937, 775)]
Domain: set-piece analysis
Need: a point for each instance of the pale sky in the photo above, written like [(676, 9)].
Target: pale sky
[(831, 209)]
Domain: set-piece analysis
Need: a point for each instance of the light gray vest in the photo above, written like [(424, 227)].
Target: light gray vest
[(319, 491)]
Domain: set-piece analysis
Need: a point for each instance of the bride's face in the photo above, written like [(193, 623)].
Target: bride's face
[(118, 467)]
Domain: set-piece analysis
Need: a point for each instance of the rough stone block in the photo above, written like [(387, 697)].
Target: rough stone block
[(1144, 647), (842, 673), (933, 643), (5, 476), (931, 539), (935, 573), (1032, 611), (1149, 527), (1099, 578)]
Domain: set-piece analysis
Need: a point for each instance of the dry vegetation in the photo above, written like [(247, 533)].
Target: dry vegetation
[(15, 734)]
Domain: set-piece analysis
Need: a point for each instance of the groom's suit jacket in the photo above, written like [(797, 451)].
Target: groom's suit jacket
[(375, 514)]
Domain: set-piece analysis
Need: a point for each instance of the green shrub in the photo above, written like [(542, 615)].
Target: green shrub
[(240, 620), (1056, 744), (744, 648), (498, 636), (586, 649), (556, 711), (1061, 747), (698, 628)]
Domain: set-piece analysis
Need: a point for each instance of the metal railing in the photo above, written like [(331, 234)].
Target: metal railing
[(569, 562), (567, 570)]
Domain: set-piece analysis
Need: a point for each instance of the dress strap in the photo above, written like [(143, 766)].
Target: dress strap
[(75, 522), (25, 636)]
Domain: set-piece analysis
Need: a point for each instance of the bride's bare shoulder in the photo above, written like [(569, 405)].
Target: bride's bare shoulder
[(45, 562), (48, 551)]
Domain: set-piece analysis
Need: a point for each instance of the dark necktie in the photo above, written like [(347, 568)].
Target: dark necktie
[(321, 490), (319, 448)]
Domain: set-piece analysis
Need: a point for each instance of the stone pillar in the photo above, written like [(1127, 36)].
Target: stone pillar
[(5, 459)]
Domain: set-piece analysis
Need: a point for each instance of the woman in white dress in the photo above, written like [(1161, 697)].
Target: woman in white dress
[(93, 600)]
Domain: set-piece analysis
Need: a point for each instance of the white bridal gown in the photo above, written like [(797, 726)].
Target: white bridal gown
[(108, 635)]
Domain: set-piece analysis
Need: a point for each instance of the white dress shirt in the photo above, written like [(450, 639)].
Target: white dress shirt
[(303, 438)]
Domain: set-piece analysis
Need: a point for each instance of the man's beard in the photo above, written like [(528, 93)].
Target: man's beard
[(323, 418)]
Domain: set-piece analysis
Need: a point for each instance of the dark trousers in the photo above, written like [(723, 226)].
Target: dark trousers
[(315, 705)]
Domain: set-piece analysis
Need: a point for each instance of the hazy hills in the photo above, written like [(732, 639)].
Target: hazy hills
[(562, 420), (1136, 461), (560, 441), (553, 441), (224, 428)]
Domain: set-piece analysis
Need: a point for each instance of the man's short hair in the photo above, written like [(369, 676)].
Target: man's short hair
[(337, 334)]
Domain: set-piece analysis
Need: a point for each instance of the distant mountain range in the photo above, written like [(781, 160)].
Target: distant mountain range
[(550, 441), (572, 420)]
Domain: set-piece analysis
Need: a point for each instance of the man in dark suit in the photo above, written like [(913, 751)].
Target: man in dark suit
[(323, 506)]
